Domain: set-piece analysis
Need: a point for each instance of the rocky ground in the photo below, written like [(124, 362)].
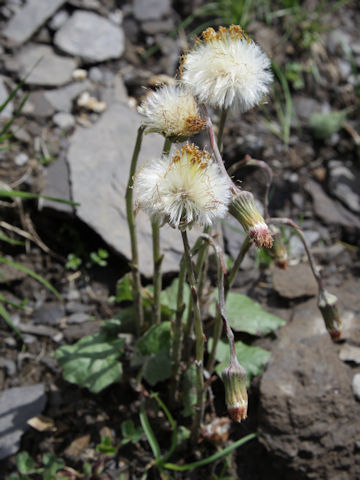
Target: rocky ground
[(74, 140)]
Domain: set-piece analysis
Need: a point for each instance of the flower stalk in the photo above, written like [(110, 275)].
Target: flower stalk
[(157, 255), (134, 264), (327, 302), (177, 334), (234, 376), (199, 351)]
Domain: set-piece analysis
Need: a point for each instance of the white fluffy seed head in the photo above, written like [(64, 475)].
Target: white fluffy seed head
[(185, 189), (227, 69), (173, 112)]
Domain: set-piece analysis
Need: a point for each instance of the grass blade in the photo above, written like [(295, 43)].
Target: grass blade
[(18, 193), (212, 458), (155, 447), (32, 274), (8, 320)]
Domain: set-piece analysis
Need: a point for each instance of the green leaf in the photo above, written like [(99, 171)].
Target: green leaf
[(10, 240), (52, 465), (20, 194), (169, 296), (150, 436), (124, 289), (324, 125), (123, 322), (24, 463), (253, 359), (130, 433), (155, 339), (32, 274), (248, 316), (7, 318), (153, 353), (106, 446), (212, 458), (92, 362)]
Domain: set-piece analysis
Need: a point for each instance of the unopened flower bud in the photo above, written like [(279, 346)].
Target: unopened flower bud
[(234, 378), (327, 304), (243, 208), (278, 250)]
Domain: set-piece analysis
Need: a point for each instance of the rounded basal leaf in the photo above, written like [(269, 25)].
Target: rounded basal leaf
[(248, 316), (253, 359), (92, 362)]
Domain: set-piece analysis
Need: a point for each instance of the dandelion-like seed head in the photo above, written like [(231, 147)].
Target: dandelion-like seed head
[(227, 69), (173, 112), (184, 189)]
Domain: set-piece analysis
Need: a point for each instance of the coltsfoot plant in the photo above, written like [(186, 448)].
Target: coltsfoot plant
[(186, 186)]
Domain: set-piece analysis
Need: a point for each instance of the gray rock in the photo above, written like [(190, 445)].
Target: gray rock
[(96, 74), (29, 18), (17, 406), (8, 110), (91, 37), (307, 409), (356, 386), (86, 4), (305, 106), (58, 20), (294, 282), (344, 184), (99, 159), (47, 68), (115, 92), (79, 317), (49, 314), (338, 41), (9, 365), (296, 247), (350, 353), (76, 307), (151, 9), (64, 120), (41, 330), (21, 159), (57, 184), (158, 26), (38, 106), (62, 98), (330, 211), (344, 69)]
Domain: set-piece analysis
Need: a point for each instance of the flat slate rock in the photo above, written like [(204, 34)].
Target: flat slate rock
[(46, 67), (62, 98), (17, 406), (151, 9), (294, 282), (331, 211), (344, 184), (91, 37), (28, 19), (99, 160)]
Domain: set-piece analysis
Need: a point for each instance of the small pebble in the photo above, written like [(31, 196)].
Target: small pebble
[(21, 159), (64, 120), (79, 74)]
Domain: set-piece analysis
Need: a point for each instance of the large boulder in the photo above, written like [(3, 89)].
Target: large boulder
[(309, 417)]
